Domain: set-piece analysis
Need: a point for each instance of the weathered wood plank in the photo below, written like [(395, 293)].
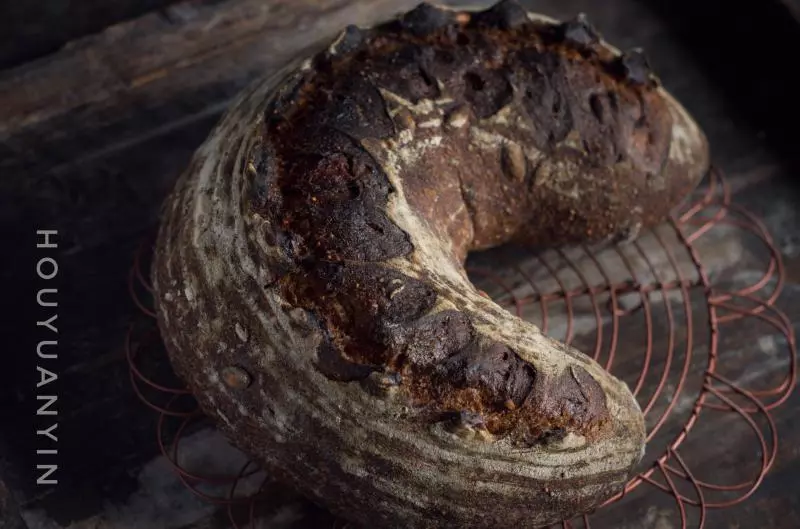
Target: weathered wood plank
[(156, 73), (29, 30)]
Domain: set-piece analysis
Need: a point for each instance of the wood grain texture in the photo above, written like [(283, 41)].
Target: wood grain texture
[(97, 166), (30, 30), (145, 67)]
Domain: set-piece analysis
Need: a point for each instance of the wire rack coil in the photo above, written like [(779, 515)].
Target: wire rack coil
[(666, 313)]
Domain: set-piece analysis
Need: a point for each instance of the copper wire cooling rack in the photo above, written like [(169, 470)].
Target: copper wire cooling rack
[(667, 313)]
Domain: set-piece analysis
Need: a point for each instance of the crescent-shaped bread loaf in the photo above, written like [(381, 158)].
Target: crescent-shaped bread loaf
[(309, 270)]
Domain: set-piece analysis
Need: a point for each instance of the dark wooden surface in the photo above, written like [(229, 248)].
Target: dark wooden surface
[(92, 137), (32, 29)]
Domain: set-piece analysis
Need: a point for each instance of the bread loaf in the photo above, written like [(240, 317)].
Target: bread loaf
[(309, 270)]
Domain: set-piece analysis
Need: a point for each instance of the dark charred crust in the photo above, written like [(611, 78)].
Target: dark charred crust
[(357, 110), (487, 90), (463, 422), (580, 31), (349, 41), (335, 366), (553, 436), (570, 402), (635, 66), (544, 93), (285, 96), (432, 339), (331, 359), (381, 311), (343, 219), (575, 394), (495, 370), (403, 72), (326, 197), (426, 19), (597, 107), (506, 14), (374, 294), (291, 245)]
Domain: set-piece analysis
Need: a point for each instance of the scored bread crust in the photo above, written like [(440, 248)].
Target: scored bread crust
[(309, 272)]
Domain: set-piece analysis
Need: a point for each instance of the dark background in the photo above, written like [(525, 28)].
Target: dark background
[(739, 80)]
